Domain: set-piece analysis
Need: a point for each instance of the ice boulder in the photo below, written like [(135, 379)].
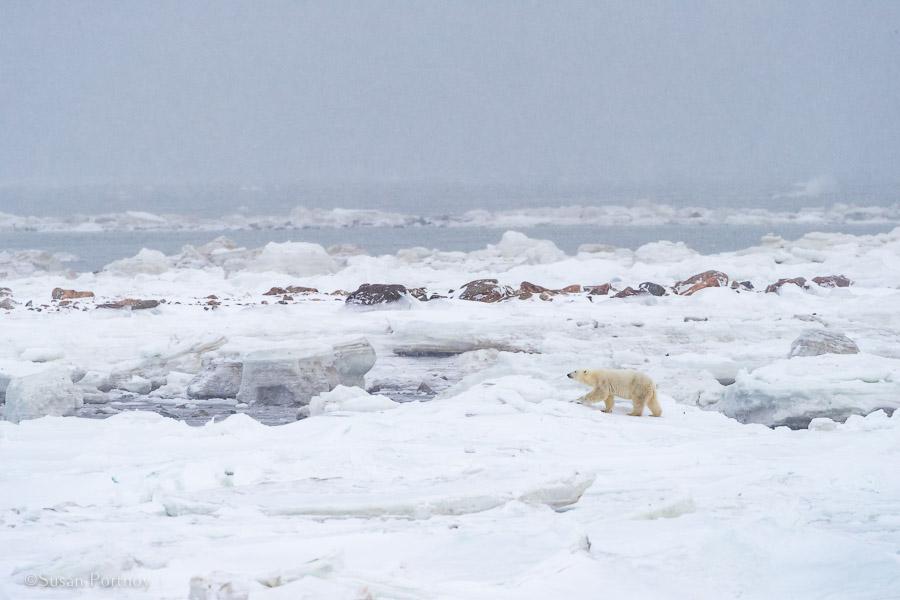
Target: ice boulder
[(292, 377), (523, 249), (795, 391), (151, 262), (300, 259), (219, 379), (47, 392), (346, 399), (815, 342)]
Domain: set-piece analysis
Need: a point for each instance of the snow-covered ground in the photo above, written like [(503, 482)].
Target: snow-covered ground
[(498, 486)]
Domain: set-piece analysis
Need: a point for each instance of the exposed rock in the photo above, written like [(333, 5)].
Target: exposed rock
[(527, 289), (627, 292), (218, 379), (532, 288), (546, 296), (695, 319), (132, 303), (742, 286), (695, 283), (61, 294), (652, 288), (486, 290), (832, 281), (798, 281), (278, 377), (49, 392), (377, 293), (599, 290), (815, 342), (5, 292), (7, 304), (291, 289)]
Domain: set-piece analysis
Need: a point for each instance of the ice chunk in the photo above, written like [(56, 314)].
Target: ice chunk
[(794, 391), (48, 392), (42, 354), (292, 377), (152, 262), (219, 379), (300, 259), (818, 341), (343, 398)]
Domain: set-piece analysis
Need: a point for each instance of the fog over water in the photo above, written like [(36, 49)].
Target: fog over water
[(219, 105)]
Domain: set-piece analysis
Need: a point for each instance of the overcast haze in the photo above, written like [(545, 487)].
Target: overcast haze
[(480, 92)]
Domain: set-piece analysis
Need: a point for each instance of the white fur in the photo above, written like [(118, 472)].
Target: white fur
[(609, 383)]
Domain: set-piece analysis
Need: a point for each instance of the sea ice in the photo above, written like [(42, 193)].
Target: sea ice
[(48, 392)]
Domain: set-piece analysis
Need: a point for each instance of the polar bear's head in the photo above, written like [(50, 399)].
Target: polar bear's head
[(583, 376)]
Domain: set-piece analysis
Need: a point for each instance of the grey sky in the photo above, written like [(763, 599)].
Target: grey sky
[(491, 92)]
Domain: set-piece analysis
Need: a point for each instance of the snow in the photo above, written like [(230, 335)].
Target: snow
[(499, 485), (505, 490)]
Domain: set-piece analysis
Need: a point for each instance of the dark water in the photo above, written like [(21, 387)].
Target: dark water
[(94, 250)]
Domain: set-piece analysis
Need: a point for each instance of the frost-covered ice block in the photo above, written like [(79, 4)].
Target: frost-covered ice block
[(48, 392), (346, 398), (795, 391), (219, 379), (815, 342), (292, 377)]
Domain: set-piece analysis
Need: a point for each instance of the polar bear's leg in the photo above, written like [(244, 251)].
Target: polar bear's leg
[(653, 404), (638, 409), (609, 401)]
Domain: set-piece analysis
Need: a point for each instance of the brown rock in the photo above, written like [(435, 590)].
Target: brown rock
[(61, 294), (629, 291), (599, 290), (798, 281), (525, 295), (299, 289), (527, 287), (700, 281), (132, 303), (832, 281), (291, 289), (531, 288), (486, 290)]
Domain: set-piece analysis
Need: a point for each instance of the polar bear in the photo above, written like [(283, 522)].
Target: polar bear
[(608, 383)]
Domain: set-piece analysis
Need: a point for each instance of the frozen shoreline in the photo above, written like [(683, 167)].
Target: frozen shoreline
[(639, 214), (498, 486)]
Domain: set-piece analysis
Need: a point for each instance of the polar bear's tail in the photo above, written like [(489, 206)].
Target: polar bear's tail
[(653, 403)]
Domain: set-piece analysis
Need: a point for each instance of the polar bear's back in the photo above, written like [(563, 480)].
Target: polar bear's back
[(624, 383)]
